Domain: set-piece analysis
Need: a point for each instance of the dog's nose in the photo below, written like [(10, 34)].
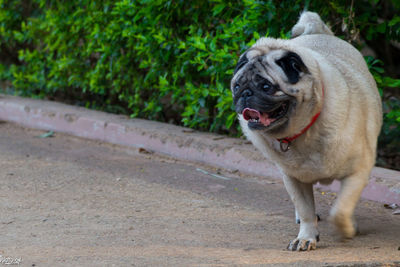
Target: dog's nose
[(247, 93)]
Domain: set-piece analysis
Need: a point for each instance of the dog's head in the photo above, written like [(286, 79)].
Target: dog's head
[(272, 88)]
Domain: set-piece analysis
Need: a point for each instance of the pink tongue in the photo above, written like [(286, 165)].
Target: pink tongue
[(249, 113)]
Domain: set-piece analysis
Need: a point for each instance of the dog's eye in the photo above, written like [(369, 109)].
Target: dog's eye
[(236, 88), (296, 66), (266, 87)]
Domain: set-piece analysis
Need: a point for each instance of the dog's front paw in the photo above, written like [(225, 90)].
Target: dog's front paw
[(303, 244), (307, 238)]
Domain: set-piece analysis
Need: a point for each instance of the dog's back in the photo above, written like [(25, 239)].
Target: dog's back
[(311, 32)]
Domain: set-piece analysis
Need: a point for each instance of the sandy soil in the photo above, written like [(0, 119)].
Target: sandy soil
[(66, 201)]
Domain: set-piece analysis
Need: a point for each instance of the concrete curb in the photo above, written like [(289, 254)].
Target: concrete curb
[(175, 141)]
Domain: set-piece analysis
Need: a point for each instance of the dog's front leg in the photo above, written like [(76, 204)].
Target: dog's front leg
[(303, 199)]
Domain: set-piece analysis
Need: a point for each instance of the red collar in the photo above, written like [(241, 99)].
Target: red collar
[(285, 142)]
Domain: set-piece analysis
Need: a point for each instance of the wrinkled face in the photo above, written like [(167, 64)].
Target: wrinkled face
[(264, 87)]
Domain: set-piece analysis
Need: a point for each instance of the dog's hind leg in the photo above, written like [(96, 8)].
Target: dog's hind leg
[(343, 209), (303, 198)]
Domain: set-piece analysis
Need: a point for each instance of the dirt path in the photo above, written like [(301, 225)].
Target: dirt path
[(66, 201)]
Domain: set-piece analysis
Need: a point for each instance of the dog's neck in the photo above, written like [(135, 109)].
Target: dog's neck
[(285, 142)]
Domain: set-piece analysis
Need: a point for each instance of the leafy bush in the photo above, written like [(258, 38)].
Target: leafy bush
[(168, 60)]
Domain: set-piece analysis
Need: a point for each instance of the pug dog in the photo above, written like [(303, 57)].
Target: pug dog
[(310, 105)]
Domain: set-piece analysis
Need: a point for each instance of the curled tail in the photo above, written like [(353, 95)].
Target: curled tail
[(310, 23)]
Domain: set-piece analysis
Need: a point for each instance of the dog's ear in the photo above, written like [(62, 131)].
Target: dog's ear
[(242, 61), (292, 65)]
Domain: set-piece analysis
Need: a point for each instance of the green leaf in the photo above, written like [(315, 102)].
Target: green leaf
[(230, 119), (390, 82), (381, 27), (394, 21), (218, 9), (256, 35), (47, 135)]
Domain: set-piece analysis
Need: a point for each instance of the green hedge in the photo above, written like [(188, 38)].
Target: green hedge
[(166, 60)]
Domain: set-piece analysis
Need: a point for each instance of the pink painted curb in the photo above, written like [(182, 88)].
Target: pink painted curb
[(175, 141)]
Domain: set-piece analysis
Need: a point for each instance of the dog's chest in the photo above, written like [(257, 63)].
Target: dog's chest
[(303, 162), (306, 167)]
